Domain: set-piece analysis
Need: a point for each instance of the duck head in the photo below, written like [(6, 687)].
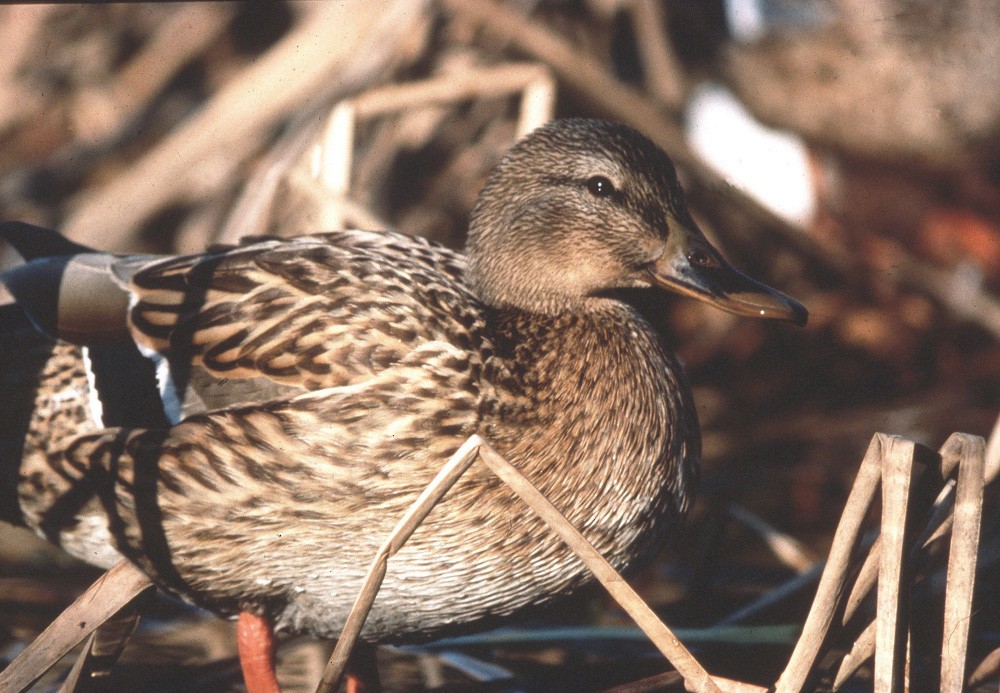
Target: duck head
[(580, 207)]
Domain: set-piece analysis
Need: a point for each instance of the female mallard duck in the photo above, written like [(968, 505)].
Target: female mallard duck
[(311, 387)]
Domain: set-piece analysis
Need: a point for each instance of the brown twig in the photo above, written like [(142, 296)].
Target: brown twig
[(101, 651), (987, 669), (861, 652), (336, 150), (665, 77), (577, 70), (938, 525), (695, 676)]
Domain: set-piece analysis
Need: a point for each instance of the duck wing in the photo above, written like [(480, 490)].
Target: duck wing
[(266, 320), (278, 479)]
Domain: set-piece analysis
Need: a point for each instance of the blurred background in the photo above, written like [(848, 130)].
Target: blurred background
[(845, 152)]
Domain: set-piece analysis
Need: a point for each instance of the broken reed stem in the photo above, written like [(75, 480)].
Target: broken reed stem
[(936, 524), (831, 584), (336, 153), (101, 651), (111, 593), (962, 562), (696, 677), (482, 82), (892, 623), (579, 71), (939, 524), (861, 652)]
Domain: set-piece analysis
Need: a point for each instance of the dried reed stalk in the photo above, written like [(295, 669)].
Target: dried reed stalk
[(112, 592), (335, 152), (101, 651), (459, 463), (579, 71), (962, 561), (953, 454), (787, 549), (892, 625), (237, 118), (831, 583)]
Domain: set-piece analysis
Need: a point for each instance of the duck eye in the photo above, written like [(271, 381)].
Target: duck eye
[(600, 186), (700, 258)]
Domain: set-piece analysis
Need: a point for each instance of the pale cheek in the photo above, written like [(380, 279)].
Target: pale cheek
[(584, 272)]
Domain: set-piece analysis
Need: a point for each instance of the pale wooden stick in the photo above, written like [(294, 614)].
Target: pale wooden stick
[(831, 584), (962, 562), (482, 82), (794, 585), (580, 71), (110, 594), (892, 624), (938, 523), (993, 453), (987, 669), (538, 103), (864, 582), (251, 212), (445, 479), (665, 77)]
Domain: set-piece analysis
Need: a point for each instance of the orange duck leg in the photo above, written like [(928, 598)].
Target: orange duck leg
[(255, 642)]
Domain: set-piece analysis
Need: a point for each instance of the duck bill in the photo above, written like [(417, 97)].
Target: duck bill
[(694, 268)]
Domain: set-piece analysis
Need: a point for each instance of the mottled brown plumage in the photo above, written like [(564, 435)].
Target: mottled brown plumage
[(313, 386)]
